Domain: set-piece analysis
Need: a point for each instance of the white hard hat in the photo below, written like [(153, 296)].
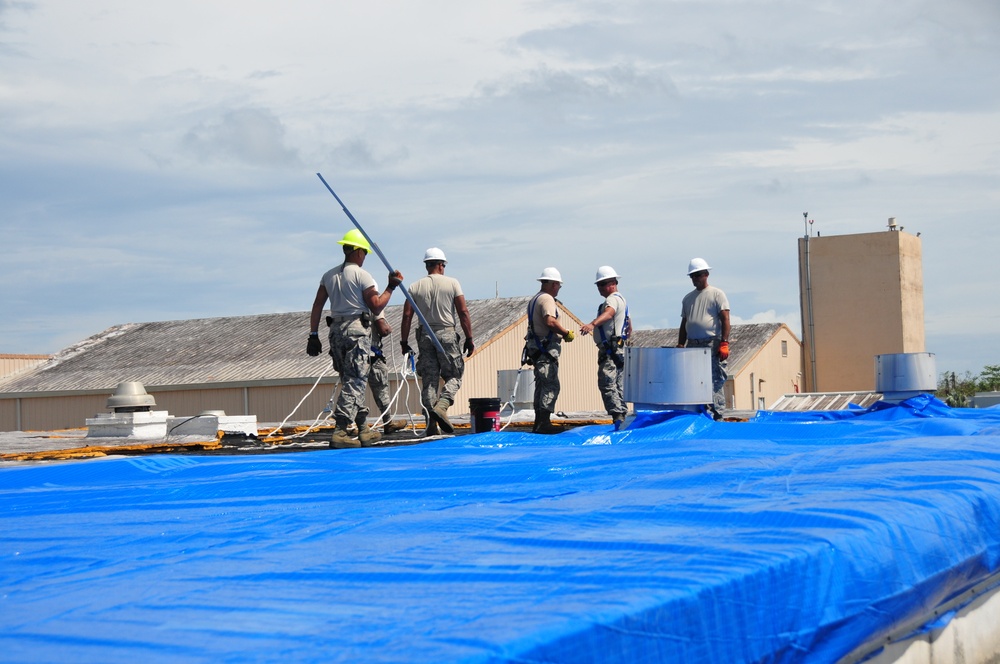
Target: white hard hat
[(604, 273), (550, 274), (697, 265), (434, 254)]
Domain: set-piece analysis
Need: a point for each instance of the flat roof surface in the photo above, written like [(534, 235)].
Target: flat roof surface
[(790, 537)]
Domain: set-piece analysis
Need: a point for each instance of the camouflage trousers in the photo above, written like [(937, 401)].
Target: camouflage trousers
[(611, 383), (433, 367), (719, 375), (350, 348), (378, 381), (546, 371)]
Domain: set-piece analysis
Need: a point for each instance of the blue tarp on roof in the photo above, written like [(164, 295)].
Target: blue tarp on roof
[(679, 540)]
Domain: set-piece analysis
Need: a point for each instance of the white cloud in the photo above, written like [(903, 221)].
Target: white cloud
[(251, 136), (177, 143)]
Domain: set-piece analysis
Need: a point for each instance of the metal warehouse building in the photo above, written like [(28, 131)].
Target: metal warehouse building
[(257, 365)]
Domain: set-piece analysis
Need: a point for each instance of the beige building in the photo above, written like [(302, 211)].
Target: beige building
[(11, 364), (765, 362), (257, 365), (861, 296)]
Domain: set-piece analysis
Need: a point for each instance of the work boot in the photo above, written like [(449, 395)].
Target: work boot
[(619, 422), (341, 439), (367, 436), (440, 413), (432, 428), (543, 423), (394, 426)]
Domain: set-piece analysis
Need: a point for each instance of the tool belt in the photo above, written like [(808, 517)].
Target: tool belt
[(612, 348), (535, 349), (365, 317)]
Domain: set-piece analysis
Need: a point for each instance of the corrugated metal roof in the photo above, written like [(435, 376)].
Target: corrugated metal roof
[(825, 401), (745, 341), (215, 350)]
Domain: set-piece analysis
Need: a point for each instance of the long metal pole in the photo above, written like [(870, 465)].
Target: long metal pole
[(385, 261)]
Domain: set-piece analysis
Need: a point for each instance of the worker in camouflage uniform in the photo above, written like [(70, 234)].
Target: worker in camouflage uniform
[(542, 346), (611, 329), (705, 324), (354, 301), (442, 304)]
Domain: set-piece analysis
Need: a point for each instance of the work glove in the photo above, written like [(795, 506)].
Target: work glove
[(569, 336), (724, 350), (469, 347), (314, 346), (395, 279), (405, 348)]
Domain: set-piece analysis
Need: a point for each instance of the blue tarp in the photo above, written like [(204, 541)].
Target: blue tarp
[(785, 539)]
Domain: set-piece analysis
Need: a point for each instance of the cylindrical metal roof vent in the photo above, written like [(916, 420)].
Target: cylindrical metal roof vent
[(668, 378), (899, 376), (130, 397)]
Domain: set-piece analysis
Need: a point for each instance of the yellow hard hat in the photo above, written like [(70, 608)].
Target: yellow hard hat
[(355, 238)]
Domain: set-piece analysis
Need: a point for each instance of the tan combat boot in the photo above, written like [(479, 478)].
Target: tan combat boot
[(394, 426), (368, 436), (440, 413), (341, 439)]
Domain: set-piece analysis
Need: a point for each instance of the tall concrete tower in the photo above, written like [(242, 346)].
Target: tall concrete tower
[(861, 296)]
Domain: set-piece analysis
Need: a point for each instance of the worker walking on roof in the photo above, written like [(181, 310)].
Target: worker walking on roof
[(542, 346), (354, 301), (705, 324), (442, 303), (611, 329)]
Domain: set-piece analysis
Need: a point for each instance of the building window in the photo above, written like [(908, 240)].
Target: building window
[(784, 349)]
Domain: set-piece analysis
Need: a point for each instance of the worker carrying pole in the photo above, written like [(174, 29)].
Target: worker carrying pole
[(402, 287)]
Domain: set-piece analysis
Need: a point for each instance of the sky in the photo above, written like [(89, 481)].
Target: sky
[(158, 160)]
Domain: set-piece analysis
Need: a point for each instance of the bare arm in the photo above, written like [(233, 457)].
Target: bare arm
[(553, 324), (317, 308), (682, 334), (726, 327), (404, 325), (463, 315), (606, 315), (376, 301)]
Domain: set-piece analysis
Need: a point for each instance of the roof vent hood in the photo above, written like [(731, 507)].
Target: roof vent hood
[(668, 378), (899, 376), (131, 397)]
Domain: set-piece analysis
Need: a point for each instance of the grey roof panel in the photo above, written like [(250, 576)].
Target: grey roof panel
[(215, 350)]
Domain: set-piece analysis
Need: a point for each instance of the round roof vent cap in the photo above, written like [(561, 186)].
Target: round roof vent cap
[(130, 396)]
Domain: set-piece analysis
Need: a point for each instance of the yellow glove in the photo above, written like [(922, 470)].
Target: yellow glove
[(569, 336)]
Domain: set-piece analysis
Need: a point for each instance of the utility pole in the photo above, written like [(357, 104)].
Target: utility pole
[(808, 324)]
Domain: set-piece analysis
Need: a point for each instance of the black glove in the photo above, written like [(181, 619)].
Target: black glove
[(469, 347), (406, 348), (395, 279), (314, 346)]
